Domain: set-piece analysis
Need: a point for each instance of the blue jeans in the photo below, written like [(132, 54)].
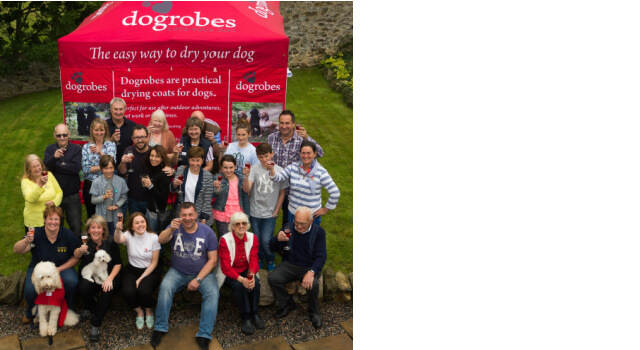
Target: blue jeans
[(153, 223), (69, 280), (111, 227), (136, 206), (175, 281), (263, 229)]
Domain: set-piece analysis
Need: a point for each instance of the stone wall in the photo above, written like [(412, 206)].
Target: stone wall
[(315, 30)]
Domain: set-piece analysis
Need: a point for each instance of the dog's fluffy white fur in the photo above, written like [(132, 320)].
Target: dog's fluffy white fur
[(96, 271), (46, 278)]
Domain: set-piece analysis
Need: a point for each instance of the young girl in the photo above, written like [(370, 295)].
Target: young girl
[(230, 198), (109, 192), (243, 151)]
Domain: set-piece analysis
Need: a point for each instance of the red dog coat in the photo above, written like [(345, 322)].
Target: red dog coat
[(55, 298)]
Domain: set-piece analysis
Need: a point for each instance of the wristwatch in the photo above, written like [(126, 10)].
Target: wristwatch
[(199, 280)]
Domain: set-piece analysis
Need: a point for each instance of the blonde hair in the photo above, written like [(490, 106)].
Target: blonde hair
[(27, 166), (238, 216), (102, 123), (97, 219), (159, 114)]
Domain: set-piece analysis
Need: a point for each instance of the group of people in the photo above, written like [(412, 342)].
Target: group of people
[(237, 188)]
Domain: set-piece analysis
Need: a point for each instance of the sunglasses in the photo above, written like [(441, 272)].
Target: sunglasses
[(61, 135), (244, 223)]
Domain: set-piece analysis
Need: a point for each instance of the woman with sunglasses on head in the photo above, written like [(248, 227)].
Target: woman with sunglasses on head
[(195, 137), (238, 269), (91, 153), (194, 184)]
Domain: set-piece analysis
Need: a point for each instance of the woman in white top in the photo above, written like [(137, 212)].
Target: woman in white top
[(142, 275)]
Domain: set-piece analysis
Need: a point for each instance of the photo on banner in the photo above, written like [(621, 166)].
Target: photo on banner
[(80, 115), (262, 116)]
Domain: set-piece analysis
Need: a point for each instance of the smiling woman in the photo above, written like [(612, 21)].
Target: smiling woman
[(39, 189)]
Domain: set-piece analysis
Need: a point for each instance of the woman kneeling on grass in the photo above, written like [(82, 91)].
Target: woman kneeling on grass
[(142, 275), (238, 270)]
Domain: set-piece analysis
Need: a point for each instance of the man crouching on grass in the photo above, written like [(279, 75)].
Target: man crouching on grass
[(194, 254)]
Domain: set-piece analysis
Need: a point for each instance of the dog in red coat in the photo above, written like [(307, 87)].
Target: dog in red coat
[(52, 307)]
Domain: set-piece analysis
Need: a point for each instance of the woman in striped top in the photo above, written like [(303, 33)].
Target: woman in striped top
[(306, 179)]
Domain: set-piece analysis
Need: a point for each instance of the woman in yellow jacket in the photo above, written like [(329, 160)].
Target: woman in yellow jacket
[(40, 190)]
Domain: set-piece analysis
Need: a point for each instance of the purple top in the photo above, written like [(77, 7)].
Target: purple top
[(189, 250)]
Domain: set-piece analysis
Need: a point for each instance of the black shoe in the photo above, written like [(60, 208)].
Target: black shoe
[(94, 334), (285, 310), (203, 343), (247, 327), (156, 337), (258, 321), (316, 320)]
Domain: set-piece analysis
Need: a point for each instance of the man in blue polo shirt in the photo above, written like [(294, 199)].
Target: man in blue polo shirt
[(194, 254), (307, 255)]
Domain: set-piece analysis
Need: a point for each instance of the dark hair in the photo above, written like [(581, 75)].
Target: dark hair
[(263, 148), (289, 113), (244, 124), (307, 143), (140, 127), (228, 158), (105, 160), (161, 152), (130, 221), (187, 205), (48, 211), (196, 152), (195, 121)]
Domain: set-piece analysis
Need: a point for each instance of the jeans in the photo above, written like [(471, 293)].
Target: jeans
[(111, 227), (263, 229), (73, 212), (153, 223), (175, 281), (136, 206), (69, 280)]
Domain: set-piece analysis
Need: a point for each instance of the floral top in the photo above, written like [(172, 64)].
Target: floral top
[(93, 159)]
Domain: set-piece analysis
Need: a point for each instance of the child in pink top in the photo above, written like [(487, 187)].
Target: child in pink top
[(228, 194)]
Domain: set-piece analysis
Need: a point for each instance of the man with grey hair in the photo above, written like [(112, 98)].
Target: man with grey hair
[(64, 160), (120, 128), (305, 258)]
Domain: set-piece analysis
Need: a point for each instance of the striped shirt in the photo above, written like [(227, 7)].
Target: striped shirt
[(306, 189)]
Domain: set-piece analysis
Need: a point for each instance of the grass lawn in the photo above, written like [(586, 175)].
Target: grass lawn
[(27, 123)]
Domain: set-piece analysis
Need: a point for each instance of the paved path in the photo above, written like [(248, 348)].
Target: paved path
[(182, 338)]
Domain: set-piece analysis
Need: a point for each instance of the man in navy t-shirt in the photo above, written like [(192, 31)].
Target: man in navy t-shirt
[(194, 254)]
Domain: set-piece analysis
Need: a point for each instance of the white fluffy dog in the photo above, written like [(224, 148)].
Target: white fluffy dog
[(97, 269), (50, 301)]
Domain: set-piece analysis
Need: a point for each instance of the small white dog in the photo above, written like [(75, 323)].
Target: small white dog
[(51, 305), (97, 269)]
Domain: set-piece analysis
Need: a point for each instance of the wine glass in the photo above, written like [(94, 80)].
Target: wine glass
[(84, 241), (30, 233), (180, 146), (120, 217), (180, 177), (63, 150), (117, 132), (287, 232), (130, 154)]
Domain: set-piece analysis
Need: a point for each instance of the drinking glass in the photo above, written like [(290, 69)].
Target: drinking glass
[(64, 150), (287, 232), (117, 132), (84, 241), (30, 234), (130, 154), (180, 146)]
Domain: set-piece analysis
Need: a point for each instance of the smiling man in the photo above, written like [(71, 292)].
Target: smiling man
[(137, 200), (120, 128), (64, 160), (194, 254), (286, 148)]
